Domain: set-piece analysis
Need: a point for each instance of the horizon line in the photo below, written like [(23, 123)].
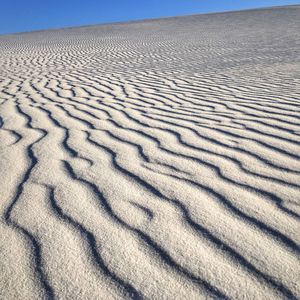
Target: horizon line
[(146, 19)]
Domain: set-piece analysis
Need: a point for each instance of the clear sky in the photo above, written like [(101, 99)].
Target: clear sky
[(27, 15)]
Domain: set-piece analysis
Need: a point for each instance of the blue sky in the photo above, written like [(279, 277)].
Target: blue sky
[(27, 15)]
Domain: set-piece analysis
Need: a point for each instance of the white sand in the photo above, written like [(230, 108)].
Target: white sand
[(155, 159)]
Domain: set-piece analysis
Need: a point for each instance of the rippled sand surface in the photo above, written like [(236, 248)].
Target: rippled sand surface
[(152, 160)]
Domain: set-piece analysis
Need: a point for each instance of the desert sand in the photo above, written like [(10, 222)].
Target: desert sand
[(156, 159)]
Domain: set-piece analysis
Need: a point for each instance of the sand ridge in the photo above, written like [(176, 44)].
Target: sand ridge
[(152, 160)]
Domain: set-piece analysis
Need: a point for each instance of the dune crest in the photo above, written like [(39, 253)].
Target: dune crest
[(155, 159)]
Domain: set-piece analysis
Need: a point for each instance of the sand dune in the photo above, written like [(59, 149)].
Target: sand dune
[(152, 160)]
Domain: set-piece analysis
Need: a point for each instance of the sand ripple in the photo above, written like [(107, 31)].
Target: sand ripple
[(155, 159)]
